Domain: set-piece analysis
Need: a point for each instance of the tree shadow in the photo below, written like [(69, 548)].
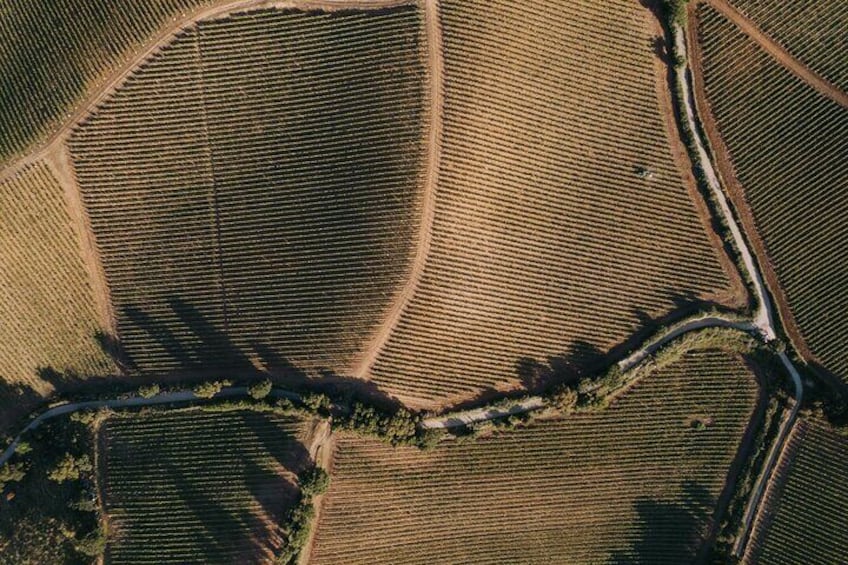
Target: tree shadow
[(670, 532)]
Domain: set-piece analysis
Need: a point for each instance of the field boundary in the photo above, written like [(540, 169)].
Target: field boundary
[(779, 53), (435, 73), (114, 79), (736, 193), (59, 161)]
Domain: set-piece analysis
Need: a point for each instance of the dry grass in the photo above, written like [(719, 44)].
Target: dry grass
[(48, 313)]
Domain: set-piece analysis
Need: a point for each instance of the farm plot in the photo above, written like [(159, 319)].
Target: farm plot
[(562, 224), (803, 518), (635, 483), (197, 487), (48, 314), (54, 50), (255, 186), (812, 30), (786, 149)]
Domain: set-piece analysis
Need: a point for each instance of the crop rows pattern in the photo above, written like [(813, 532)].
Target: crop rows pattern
[(255, 186), (813, 31), (46, 304), (197, 487), (635, 483), (787, 144), (804, 519), (545, 239), (53, 50)]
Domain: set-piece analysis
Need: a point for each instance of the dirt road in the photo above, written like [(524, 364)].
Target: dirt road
[(435, 71), (779, 53)]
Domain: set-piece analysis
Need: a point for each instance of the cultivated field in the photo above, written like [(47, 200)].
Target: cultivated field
[(786, 145), (254, 188), (547, 244), (191, 486), (48, 318), (54, 50), (637, 482), (812, 30), (803, 520)]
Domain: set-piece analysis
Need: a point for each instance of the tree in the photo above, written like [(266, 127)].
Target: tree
[(148, 391), (11, 472), (313, 482), (565, 399), (70, 468), (260, 390), (208, 389)]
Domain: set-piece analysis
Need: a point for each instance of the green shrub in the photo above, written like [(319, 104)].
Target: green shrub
[(148, 391), (11, 472), (208, 389), (313, 482), (70, 468), (260, 390)]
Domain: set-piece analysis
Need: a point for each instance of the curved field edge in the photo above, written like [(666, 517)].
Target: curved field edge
[(540, 491), (95, 84), (487, 245), (331, 246), (802, 518), (725, 163)]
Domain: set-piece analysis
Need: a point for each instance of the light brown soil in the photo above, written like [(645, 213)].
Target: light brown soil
[(321, 450), (62, 167), (736, 295), (736, 193), (361, 367), (779, 54)]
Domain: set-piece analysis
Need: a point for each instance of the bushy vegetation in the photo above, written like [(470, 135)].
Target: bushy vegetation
[(548, 245), (652, 478), (297, 528), (260, 390), (48, 508), (209, 389)]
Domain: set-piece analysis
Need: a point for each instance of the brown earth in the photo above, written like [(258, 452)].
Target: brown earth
[(736, 295), (62, 167), (736, 193), (778, 53), (361, 367)]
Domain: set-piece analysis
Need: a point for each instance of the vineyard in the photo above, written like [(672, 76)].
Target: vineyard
[(811, 30), (804, 517), (48, 315), (189, 486), (636, 483), (786, 144), (54, 50), (254, 188), (549, 247)]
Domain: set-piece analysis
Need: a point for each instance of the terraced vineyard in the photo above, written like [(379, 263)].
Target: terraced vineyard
[(812, 30), (786, 144), (547, 244), (636, 483), (255, 187), (46, 304), (191, 487), (804, 519), (54, 50)]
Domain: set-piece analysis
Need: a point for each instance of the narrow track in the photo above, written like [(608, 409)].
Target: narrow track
[(779, 53)]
